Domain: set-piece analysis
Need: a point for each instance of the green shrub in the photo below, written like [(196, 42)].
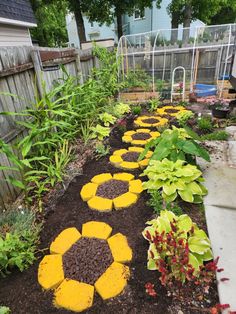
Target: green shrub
[(156, 202), (183, 116), (136, 110), (178, 248), (175, 144), (5, 310), (101, 150), (215, 136), (205, 124), (175, 179), (120, 109), (107, 119), (19, 236), (153, 104), (100, 132)]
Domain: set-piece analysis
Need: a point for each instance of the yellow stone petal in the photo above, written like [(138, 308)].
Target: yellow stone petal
[(123, 176), (120, 249), (126, 139), (120, 152), (100, 204), (88, 191), (50, 271), (129, 165), (116, 160), (135, 149), (74, 296), (143, 163), (135, 186), (125, 200), (149, 154), (96, 229), (64, 241), (129, 133), (155, 134), (143, 130), (139, 142), (113, 281), (101, 178)]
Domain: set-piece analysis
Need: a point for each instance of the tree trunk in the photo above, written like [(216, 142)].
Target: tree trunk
[(187, 22), (80, 23), (119, 25), (174, 28)]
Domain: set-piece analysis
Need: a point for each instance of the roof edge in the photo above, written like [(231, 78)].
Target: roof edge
[(16, 22)]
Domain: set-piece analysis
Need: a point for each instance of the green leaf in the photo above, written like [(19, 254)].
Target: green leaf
[(186, 195), (151, 265), (185, 223), (194, 262), (198, 245), (16, 182)]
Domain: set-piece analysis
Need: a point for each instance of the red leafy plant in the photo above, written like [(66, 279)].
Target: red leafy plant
[(179, 250)]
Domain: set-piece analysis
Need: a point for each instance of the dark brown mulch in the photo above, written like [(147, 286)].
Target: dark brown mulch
[(87, 260), (130, 156), (171, 110), (150, 120), (141, 136), (112, 189), (22, 293)]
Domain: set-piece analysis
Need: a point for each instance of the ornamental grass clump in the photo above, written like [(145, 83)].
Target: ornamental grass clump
[(175, 179), (178, 249)]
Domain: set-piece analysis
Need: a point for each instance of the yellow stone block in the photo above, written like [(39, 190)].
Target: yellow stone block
[(139, 142), (129, 133), (101, 178), (116, 160), (74, 295), (143, 130), (120, 249), (143, 163), (88, 191), (135, 186), (129, 165), (123, 176), (135, 149), (100, 204), (155, 134), (125, 200), (96, 229), (126, 139), (149, 154), (50, 271), (64, 241), (120, 152), (113, 281)]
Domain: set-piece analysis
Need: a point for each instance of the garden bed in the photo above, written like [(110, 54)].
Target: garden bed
[(22, 293)]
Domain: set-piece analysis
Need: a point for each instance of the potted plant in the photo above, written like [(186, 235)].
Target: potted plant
[(219, 108)]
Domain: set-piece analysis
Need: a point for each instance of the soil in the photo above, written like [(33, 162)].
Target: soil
[(151, 120), (87, 260), (141, 136), (22, 293), (171, 110), (112, 189), (131, 156)]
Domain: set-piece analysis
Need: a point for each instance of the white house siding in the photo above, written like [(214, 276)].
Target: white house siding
[(14, 36)]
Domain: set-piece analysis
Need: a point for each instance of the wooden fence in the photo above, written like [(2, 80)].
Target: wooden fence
[(22, 70)]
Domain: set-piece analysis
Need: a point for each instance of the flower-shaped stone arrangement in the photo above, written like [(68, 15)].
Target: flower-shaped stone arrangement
[(128, 158), (106, 191), (139, 137), (170, 110), (150, 121), (81, 263)]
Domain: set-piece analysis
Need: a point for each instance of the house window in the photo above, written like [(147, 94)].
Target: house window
[(139, 14)]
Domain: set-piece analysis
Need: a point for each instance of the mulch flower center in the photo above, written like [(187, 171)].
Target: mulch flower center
[(151, 120), (141, 136), (131, 156), (87, 260), (112, 188), (171, 110)]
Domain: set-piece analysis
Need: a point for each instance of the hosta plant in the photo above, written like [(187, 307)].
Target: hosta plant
[(175, 144), (100, 132), (107, 118), (178, 248), (175, 179), (120, 109)]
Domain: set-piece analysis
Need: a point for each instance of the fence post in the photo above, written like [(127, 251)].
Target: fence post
[(78, 68), (38, 71)]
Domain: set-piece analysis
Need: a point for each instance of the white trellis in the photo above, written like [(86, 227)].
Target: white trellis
[(154, 43)]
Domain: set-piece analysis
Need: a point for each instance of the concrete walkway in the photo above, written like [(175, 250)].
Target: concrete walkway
[(220, 210)]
